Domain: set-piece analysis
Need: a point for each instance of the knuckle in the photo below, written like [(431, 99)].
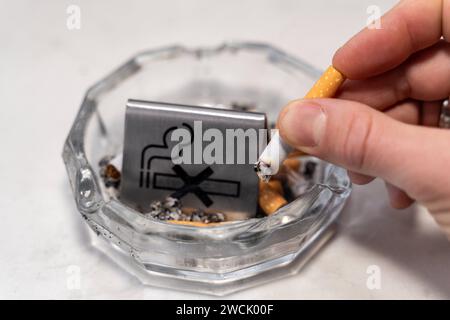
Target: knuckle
[(358, 140)]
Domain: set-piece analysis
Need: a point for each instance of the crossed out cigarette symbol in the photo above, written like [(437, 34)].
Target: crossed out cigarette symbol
[(191, 184), (201, 185)]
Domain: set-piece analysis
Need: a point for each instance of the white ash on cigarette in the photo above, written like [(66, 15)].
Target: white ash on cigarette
[(272, 157)]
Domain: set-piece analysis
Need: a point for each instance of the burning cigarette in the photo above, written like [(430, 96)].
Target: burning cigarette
[(277, 150)]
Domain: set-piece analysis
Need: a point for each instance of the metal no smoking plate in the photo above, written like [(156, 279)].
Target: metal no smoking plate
[(152, 172)]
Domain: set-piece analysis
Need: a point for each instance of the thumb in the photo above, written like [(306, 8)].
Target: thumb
[(364, 140)]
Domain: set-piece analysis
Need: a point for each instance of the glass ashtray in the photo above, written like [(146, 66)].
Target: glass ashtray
[(223, 258)]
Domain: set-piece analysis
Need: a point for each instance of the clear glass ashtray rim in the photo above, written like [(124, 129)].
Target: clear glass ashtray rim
[(93, 200)]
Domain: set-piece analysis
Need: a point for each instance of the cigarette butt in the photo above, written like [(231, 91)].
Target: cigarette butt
[(276, 185), (194, 223), (269, 199), (327, 85), (112, 172), (292, 163)]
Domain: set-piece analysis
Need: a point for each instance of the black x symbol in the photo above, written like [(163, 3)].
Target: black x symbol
[(191, 184)]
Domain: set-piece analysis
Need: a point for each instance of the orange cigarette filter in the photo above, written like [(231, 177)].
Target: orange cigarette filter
[(276, 185), (194, 223), (269, 199), (327, 85), (292, 163)]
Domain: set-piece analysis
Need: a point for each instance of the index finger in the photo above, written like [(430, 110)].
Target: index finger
[(410, 26)]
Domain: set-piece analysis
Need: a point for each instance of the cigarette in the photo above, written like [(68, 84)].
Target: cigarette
[(277, 150), (269, 199)]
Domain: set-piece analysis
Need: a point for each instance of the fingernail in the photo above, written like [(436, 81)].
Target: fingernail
[(303, 124)]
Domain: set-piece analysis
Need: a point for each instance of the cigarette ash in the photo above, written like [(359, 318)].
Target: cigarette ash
[(168, 209), (263, 171), (171, 209)]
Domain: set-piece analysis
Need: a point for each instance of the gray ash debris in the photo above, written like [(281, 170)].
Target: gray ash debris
[(171, 209)]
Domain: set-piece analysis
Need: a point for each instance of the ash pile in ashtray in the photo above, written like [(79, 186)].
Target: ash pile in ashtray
[(170, 209)]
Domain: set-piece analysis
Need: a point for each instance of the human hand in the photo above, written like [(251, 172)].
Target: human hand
[(382, 123)]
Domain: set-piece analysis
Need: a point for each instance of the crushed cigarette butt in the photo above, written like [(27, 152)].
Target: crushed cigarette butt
[(276, 185), (269, 199)]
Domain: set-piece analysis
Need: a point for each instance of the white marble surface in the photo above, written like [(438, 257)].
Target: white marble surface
[(44, 70)]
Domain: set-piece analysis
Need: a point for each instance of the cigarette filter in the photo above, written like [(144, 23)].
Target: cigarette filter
[(269, 199), (327, 85), (293, 163), (194, 223), (276, 185)]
